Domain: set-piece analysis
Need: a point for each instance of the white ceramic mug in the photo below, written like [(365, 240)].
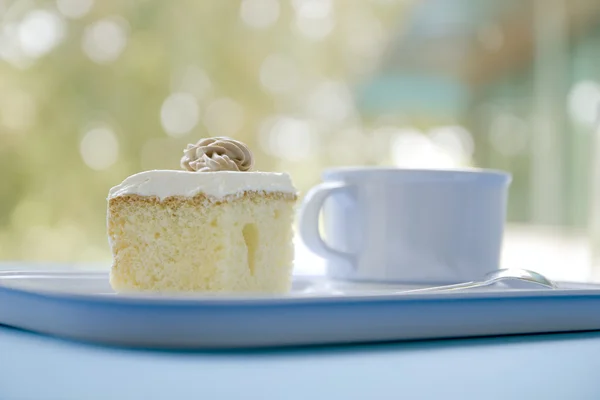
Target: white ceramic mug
[(407, 226)]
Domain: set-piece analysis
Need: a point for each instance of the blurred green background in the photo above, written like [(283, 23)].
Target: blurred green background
[(93, 91)]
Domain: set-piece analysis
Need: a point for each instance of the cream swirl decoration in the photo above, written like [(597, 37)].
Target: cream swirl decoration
[(217, 154)]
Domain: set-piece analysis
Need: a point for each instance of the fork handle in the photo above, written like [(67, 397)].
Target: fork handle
[(445, 288)]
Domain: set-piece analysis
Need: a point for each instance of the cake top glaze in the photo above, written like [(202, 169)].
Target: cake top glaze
[(166, 183)]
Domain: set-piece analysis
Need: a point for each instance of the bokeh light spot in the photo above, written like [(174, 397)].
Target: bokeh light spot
[(179, 114), (413, 149), (259, 14), (10, 47), (455, 140), (331, 101), (313, 18), (584, 102), (191, 79), (287, 138), (314, 28), (99, 148), (312, 8), (105, 40), (364, 35), (74, 8), (39, 32)]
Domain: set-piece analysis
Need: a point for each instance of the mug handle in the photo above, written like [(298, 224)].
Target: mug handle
[(309, 219)]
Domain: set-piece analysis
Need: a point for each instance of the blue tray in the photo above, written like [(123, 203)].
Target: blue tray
[(82, 306)]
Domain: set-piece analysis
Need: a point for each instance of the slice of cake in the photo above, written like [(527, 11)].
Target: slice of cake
[(214, 227)]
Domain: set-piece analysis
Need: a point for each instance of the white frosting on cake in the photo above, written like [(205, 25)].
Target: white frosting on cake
[(166, 183)]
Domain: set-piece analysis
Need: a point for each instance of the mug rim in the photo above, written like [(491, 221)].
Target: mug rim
[(419, 174)]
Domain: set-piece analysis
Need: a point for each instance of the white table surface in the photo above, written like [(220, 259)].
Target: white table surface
[(562, 366)]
